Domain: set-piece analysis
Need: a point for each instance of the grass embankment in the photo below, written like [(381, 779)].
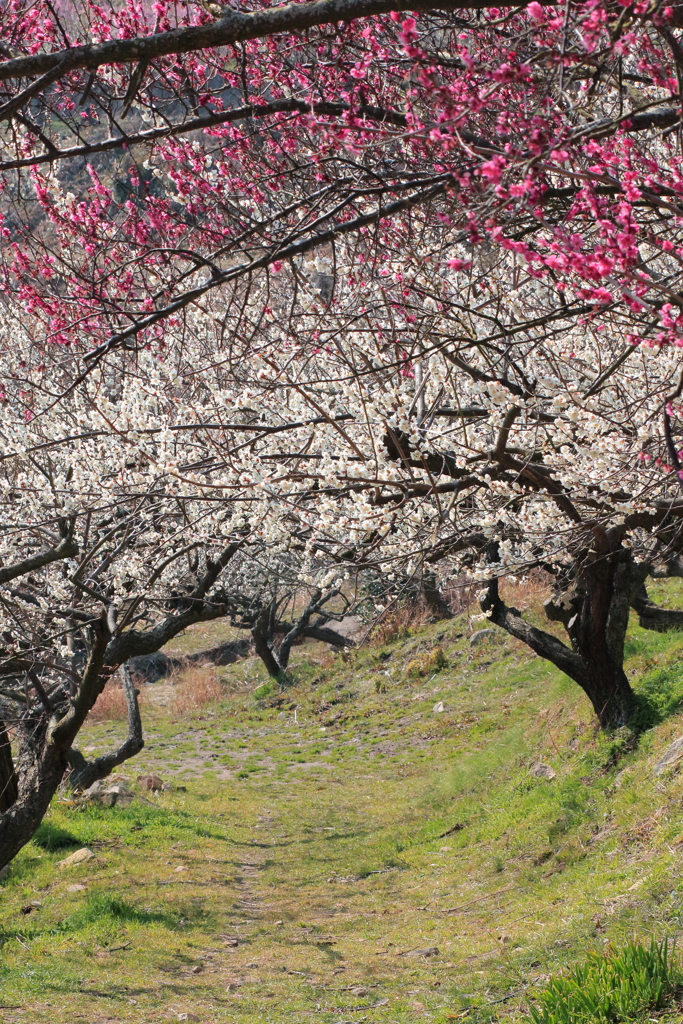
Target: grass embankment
[(344, 852)]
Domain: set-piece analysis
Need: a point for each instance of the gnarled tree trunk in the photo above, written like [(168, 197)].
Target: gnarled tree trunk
[(39, 770), (47, 728), (434, 600), (267, 625), (8, 776), (595, 614)]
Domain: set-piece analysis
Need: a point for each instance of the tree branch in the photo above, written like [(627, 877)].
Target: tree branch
[(67, 548), (544, 644), (435, 187), (135, 643), (62, 732), (651, 616), (234, 27), (84, 773), (286, 106)]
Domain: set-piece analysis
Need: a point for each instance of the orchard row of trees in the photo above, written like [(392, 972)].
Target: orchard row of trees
[(313, 293)]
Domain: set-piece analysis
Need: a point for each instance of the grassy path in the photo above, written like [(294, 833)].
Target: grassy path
[(304, 873)]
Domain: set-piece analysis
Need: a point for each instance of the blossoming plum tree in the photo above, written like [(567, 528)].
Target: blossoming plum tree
[(129, 514), (337, 287)]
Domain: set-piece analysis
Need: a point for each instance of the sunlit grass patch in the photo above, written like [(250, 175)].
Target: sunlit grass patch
[(625, 985)]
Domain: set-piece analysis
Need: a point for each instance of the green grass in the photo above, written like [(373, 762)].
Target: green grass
[(336, 844), (620, 986)]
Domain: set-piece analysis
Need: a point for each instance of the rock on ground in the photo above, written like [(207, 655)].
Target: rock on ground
[(481, 634), (79, 857), (108, 795), (152, 783), (542, 771), (671, 758)]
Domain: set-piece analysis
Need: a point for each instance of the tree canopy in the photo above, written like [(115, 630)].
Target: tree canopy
[(321, 290)]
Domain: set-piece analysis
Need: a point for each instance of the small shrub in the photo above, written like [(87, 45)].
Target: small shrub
[(427, 663), (610, 988), (196, 688)]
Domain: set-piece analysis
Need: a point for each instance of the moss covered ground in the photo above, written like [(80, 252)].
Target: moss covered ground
[(340, 851)]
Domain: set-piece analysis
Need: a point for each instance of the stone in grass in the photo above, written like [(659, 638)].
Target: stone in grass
[(30, 907), (118, 795), (542, 771), (482, 634), (79, 857), (670, 759), (152, 783), (439, 707), (94, 792), (108, 795)]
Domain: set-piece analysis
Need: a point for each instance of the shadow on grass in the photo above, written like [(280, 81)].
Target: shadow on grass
[(101, 909), (136, 825), (659, 695), (656, 700), (51, 837)]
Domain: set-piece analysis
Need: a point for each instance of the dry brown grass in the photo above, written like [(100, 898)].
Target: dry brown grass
[(196, 688), (111, 704), (463, 594), (529, 593), (397, 620)]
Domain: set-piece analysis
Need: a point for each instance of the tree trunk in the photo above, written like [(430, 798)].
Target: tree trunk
[(40, 771), (433, 598), (262, 636), (267, 625), (47, 729), (598, 634), (595, 615), (8, 777), (607, 686)]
